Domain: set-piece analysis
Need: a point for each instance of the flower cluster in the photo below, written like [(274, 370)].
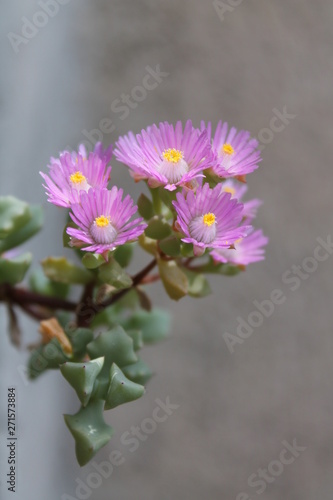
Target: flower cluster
[(79, 181), (205, 170), (194, 211), (208, 171)]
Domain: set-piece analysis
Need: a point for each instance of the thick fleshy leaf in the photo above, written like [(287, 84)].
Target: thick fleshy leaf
[(173, 278), (229, 270), (25, 232), (61, 270), (45, 357), (145, 207), (187, 250), (148, 244), (124, 253), (14, 214), (82, 376), (170, 246), (12, 271), (89, 430), (79, 338), (136, 336), (121, 389), (154, 325), (117, 347), (39, 283), (113, 274), (167, 197), (92, 260), (138, 372), (198, 285), (158, 229), (212, 267)]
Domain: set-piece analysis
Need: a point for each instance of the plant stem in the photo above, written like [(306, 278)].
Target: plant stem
[(27, 300)]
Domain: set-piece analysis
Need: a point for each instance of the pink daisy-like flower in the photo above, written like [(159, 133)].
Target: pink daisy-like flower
[(247, 250), (74, 172), (103, 220), (209, 218), (237, 191), (237, 153), (166, 155)]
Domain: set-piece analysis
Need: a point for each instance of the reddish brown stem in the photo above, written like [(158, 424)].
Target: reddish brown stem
[(28, 300)]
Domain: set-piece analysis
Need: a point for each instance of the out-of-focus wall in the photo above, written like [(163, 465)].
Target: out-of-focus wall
[(246, 64)]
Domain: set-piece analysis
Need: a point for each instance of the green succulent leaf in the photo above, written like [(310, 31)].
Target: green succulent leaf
[(173, 278), (89, 430), (113, 274), (145, 207), (136, 336), (92, 260), (121, 389), (124, 253), (25, 232), (212, 267), (12, 271), (148, 244), (158, 229), (229, 270), (117, 347), (82, 376), (138, 372), (47, 356), (198, 285), (79, 338), (154, 325), (39, 283), (14, 214), (61, 270), (170, 246), (187, 249)]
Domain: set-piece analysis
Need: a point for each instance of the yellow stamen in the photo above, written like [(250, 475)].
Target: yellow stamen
[(77, 178), (102, 221), (209, 219), (230, 190), (227, 149), (172, 155)]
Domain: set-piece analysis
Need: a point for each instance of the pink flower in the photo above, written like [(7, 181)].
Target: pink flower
[(236, 152), (209, 218), (166, 155), (74, 172), (104, 220)]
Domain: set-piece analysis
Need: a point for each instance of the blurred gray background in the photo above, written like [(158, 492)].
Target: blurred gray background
[(235, 409)]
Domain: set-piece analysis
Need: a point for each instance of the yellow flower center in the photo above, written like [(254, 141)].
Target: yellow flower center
[(77, 178), (209, 219), (230, 190), (102, 221), (172, 155), (227, 149)]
